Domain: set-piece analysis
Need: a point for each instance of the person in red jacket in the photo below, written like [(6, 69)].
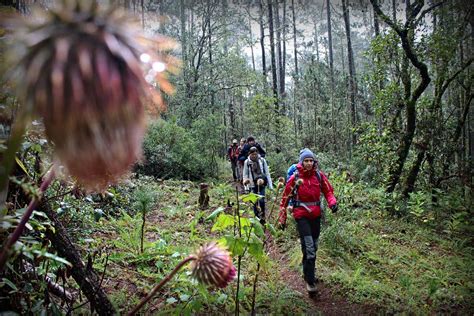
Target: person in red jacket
[(304, 190)]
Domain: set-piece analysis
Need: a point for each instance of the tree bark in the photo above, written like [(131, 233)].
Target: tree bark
[(295, 47), (412, 176), (87, 279), (262, 41), (331, 67), (272, 54), (410, 98), (352, 74)]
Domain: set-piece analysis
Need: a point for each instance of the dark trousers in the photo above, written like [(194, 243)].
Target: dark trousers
[(235, 171), (309, 230), (261, 202)]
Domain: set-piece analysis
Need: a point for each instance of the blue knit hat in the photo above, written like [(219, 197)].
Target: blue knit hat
[(306, 153)]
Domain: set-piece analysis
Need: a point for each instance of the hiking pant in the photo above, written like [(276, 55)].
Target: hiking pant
[(261, 202), (235, 171), (240, 165), (309, 230)]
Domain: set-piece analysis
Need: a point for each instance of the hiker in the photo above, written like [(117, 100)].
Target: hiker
[(257, 176), (251, 143), (241, 162), (304, 189), (233, 156)]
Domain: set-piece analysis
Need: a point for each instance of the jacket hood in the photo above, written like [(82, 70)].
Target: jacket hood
[(303, 172)]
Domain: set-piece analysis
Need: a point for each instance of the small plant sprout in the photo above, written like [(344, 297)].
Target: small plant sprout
[(211, 265)]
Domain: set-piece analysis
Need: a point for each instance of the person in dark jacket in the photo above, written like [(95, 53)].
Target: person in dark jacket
[(244, 153), (304, 188)]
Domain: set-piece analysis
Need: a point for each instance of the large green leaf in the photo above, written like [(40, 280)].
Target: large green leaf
[(236, 245), (223, 221), (251, 197), (214, 214)]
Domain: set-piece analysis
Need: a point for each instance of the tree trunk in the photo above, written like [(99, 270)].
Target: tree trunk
[(412, 176), (280, 76), (251, 42), (331, 68), (86, 278), (295, 47), (262, 41), (352, 73), (272, 54), (411, 99)]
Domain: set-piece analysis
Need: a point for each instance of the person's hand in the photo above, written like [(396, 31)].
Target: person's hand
[(260, 182), (334, 208), (246, 181), (290, 209)]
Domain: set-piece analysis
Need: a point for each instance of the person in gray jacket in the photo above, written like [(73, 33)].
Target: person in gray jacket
[(256, 177)]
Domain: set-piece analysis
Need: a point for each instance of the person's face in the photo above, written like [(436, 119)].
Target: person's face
[(308, 163), (242, 143), (252, 142), (253, 156)]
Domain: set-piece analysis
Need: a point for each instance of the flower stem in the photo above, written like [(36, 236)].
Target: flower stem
[(26, 216), (160, 285)]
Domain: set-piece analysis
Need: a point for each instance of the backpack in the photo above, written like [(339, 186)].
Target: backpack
[(263, 175)]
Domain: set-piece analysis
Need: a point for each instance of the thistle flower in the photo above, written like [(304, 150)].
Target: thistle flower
[(80, 69), (281, 182), (213, 265)]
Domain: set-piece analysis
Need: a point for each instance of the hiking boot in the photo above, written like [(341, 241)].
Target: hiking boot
[(311, 288)]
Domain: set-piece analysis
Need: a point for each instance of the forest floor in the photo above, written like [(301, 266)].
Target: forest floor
[(367, 263), (326, 301)]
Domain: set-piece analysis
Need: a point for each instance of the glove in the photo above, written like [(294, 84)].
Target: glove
[(334, 208)]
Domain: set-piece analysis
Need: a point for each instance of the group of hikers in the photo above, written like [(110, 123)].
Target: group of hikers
[(301, 196)]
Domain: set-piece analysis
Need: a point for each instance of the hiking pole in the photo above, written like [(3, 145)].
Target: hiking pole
[(280, 184)]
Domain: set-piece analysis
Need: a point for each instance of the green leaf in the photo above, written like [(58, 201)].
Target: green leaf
[(236, 245), (223, 221), (257, 227), (52, 257), (9, 283), (22, 166), (214, 214), (271, 228), (98, 214), (184, 297), (251, 197)]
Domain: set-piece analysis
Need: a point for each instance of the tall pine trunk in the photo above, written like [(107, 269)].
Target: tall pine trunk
[(352, 73)]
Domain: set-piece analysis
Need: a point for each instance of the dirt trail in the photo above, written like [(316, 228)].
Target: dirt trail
[(326, 302)]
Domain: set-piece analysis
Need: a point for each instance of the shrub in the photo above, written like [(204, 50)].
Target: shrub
[(170, 152)]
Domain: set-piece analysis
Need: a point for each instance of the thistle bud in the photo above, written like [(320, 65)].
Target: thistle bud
[(80, 70), (299, 182), (213, 266), (281, 182)]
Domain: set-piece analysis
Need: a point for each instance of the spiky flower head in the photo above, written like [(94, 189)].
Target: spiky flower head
[(213, 266), (281, 182), (80, 70)]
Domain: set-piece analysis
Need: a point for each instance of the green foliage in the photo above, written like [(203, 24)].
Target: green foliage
[(171, 152)]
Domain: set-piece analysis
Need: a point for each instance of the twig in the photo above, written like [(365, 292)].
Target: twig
[(26, 216), (160, 285)]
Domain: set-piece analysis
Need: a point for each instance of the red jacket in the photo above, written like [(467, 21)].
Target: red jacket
[(309, 191)]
